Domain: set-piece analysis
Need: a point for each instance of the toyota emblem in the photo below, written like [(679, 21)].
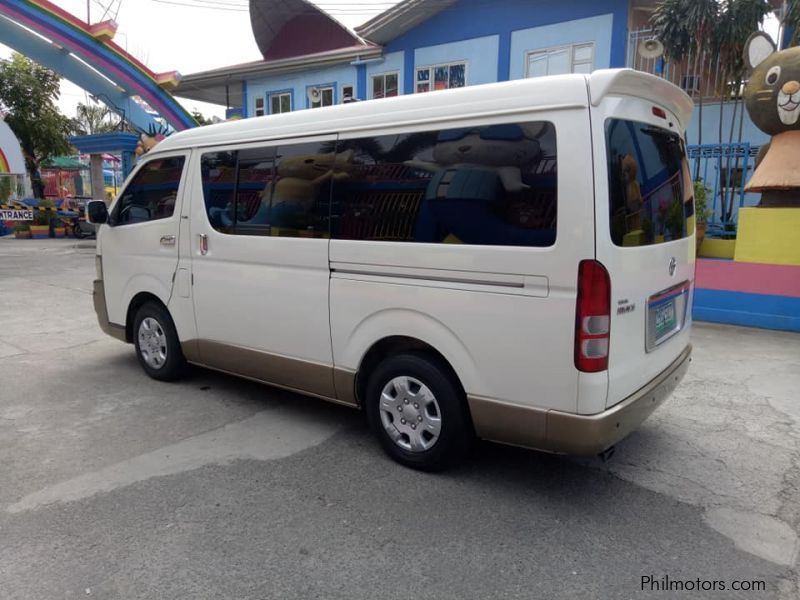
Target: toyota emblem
[(673, 264)]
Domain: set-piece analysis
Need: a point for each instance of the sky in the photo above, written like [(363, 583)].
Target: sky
[(189, 35), (195, 35)]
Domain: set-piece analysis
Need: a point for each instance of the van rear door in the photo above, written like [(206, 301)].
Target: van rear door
[(645, 228)]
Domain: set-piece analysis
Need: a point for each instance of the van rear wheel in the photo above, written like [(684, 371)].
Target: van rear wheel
[(416, 408), (157, 346)]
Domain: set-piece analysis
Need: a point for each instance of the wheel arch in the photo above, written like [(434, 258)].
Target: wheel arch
[(134, 305), (396, 331)]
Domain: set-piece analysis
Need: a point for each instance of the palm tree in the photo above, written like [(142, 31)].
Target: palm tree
[(685, 27), (789, 11), (93, 119), (738, 19)]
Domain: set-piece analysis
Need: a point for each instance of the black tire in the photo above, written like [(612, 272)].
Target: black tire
[(173, 365), (455, 431)]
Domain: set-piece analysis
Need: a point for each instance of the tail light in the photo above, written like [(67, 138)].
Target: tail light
[(592, 317)]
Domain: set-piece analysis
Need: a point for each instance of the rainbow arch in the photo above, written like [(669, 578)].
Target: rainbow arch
[(120, 77), (5, 168)]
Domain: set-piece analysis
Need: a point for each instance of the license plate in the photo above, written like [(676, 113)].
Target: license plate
[(665, 319)]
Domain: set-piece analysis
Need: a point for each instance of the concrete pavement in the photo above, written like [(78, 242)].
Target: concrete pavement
[(115, 486)]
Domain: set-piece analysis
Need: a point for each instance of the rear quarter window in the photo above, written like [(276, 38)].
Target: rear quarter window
[(650, 187)]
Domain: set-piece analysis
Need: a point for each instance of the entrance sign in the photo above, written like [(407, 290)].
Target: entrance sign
[(16, 215)]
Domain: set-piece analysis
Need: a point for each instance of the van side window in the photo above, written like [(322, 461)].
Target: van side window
[(486, 185), (299, 200), (254, 178), (219, 182), (275, 191), (152, 193)]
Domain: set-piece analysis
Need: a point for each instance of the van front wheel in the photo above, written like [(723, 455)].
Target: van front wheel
[(416, 408), (157, 346)]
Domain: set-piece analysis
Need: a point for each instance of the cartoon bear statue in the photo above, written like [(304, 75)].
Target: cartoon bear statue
[(473, 169), (772, 98)]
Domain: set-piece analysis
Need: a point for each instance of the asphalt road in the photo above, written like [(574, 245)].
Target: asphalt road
[(115, 486)]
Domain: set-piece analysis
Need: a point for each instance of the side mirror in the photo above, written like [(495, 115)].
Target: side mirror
[(96, 212)]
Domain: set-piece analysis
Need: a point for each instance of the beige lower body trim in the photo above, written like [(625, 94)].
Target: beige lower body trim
[(289, 373), (344, 381), (569, 433), (99, 300)]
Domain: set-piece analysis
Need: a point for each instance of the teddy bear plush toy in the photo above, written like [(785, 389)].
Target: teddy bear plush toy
[(633, 194), (299, 179), (772, 98), (473, 171), (498, 151)]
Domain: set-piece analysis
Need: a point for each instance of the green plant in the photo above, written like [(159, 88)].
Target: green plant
[(43, 217), (22, 227), (701, 211), (675, 219), (5, 188)]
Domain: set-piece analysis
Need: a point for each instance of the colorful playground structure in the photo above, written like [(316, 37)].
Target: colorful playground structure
[(79, 51)]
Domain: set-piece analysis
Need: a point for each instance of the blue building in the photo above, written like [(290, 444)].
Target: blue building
[(310, 60), (417, 46)]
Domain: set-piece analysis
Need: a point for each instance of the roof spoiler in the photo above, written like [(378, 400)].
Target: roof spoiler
[(627, 82)]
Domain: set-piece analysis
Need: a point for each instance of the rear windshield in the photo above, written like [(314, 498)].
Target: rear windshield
[(650, 188)]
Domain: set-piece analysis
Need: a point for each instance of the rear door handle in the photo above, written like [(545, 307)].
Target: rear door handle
[(203, 244), (167, 240)]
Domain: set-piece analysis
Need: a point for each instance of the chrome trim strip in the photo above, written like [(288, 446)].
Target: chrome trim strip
[(441, 278)]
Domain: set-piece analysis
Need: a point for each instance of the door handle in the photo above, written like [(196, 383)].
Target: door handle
[(167, 240), (203, 244)]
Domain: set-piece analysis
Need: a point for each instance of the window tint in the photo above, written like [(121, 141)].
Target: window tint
[(254, 177), (278, 191), (650, 188), (152, 193), (491, 185), (219, 181)]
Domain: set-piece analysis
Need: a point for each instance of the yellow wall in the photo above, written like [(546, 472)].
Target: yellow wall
[(714, 248), (768, 235)]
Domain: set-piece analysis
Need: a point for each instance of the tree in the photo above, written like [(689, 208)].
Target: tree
[(93, 119), (791, 22), (685, 27), (738, 19), (201, 120), (27, 95)]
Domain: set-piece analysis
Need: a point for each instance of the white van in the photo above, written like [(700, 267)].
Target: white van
[(510, 261)]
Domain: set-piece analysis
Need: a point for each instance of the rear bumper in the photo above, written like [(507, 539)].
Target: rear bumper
[(99, 298), (569, 433)]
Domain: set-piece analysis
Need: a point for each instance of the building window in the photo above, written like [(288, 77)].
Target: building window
[(384, 85), (577, 58), (441, 77), (348, 95), (259, 107), (320, 96), (280, 103)]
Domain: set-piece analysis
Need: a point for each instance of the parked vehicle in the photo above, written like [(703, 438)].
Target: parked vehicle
[(513, 261)]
